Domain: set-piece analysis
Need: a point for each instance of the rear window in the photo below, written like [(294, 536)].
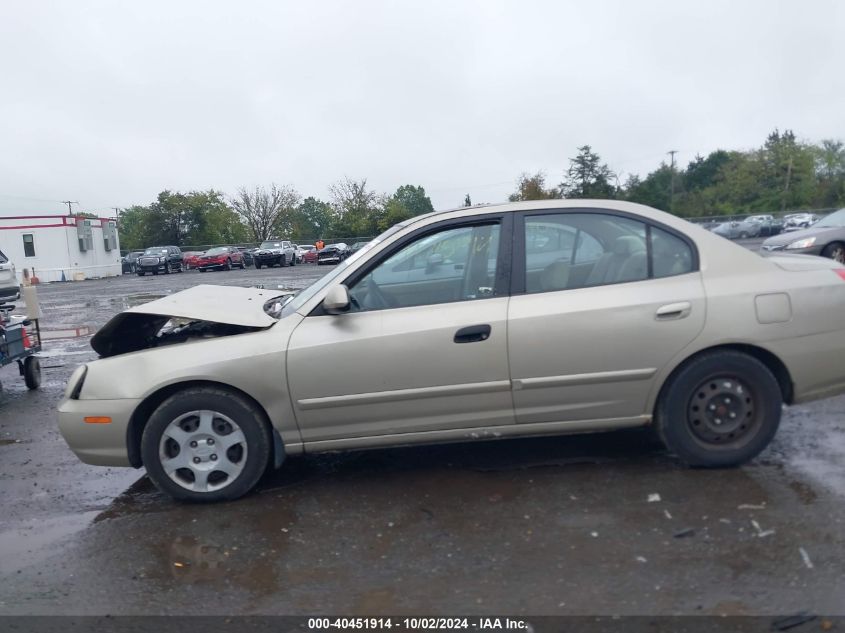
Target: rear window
[(220, 250), (156, 251)]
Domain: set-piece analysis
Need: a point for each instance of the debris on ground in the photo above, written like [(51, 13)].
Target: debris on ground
[(761, 533), (751, 506), (806, 558), (653, 498), (668, 514), (684, 533)]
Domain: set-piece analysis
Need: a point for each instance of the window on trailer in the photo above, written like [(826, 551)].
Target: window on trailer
[(29, 245)]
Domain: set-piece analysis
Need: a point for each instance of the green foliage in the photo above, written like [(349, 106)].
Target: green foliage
[(312, 220), (407, 202), (197, 217), (533, 187), (467, 201), (587, 177), (357, 210)]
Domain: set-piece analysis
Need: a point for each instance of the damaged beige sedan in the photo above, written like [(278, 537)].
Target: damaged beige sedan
[(526, 319)]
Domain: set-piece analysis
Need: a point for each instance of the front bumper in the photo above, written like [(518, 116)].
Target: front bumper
[(97, 444), (334, 259)]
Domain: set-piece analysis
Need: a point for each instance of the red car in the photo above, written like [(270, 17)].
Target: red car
[(190, 259), (310, 254), (223, 257)]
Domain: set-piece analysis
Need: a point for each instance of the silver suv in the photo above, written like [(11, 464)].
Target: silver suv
[(9, 288)]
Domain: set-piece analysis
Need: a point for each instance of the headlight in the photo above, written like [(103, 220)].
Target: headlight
[(807, 242), (74, 384)]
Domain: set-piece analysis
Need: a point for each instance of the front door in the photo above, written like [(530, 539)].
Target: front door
[(423, 347)]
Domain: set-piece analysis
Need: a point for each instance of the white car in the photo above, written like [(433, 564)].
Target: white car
[(524, 319), (10, 290)]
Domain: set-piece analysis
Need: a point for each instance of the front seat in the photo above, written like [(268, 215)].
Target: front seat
[(625, 262)]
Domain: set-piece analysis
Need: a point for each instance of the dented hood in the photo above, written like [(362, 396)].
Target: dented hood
[(237, 310)]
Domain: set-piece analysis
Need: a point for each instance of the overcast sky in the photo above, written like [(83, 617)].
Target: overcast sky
[(109, 102)]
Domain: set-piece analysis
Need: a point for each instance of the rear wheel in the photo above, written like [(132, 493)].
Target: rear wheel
[(206, 444), (283, 261), (743, 235), (167, 268), (228, 264), (141, 273), (257, 265), (835, 251), (32, 372), (721, 409)]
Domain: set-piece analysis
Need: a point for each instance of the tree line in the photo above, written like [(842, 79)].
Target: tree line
[(783, 174)]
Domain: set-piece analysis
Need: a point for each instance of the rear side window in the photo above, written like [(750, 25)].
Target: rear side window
[(3, 258), (670, 255)]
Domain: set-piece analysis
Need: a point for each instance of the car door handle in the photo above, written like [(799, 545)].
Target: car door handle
[(472, 334), (673, 311)]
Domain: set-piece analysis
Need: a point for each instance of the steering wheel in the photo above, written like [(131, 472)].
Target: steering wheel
[(376, 299)]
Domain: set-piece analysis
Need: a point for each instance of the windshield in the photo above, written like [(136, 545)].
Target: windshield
[(217, 251), (157, 250), (836, 218), (271, 245), (304, 295)]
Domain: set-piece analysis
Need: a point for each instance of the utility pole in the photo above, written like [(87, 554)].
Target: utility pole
[(68, 203), (672, 153), (116, 216)]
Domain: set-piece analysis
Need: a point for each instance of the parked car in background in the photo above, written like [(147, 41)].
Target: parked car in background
[(190, 259), (249, 260), (221, 258), (310, 254), (129, 262), (275, 252), (301, 249), (160, 259), (356, 247), (769, 225), (333, 254), (826, 238), (798, 221), (656, 323), (10, 290), (737, 230)]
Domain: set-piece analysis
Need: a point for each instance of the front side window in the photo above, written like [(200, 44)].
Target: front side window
[(28, 245), (455, 264)]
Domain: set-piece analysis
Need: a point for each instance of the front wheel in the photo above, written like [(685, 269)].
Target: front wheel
[(283, 261), (257, 265), (206, 444), (167, 268), (721, 409), (835, 251), (228, 264)]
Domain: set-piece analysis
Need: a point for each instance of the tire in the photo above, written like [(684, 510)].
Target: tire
[(283, 261), (257, 265), (155, 272), (720, 409), (200, 414), (202, 270), (835, 251), (228, 264), (167, 268), (743, 236), (141, 273), (32, 372)]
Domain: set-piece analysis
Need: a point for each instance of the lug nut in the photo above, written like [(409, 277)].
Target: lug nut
[(717, 421), (210, 441), (733, 415), (197, 460), (193, 443), (213, 457), (712, 407)]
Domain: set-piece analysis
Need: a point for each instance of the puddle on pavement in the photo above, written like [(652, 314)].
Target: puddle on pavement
[(31, 542), (7, 442)]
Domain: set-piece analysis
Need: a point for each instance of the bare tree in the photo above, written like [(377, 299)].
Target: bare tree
[(266, 210)]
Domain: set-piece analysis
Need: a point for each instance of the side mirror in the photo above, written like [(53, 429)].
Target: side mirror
[(337, 300)]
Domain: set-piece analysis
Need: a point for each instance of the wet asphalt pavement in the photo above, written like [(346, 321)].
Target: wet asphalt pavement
[(591, 524)]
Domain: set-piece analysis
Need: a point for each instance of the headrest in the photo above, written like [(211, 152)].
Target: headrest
[(628, 245)]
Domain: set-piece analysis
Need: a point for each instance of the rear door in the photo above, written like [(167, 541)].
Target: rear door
[(588, 333)]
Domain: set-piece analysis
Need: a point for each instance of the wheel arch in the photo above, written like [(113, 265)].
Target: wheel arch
[(141, 415), (770, 360)]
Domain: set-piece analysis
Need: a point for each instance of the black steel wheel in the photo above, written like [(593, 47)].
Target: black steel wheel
[(720, 409), (835, 251)]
